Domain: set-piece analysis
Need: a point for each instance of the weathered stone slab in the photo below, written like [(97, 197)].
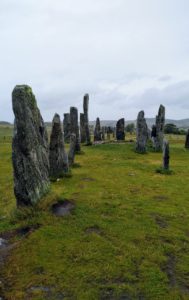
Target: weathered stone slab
[(159, 129), (166, 155), (86, 119), (71, 154), (141, 133), (120, 130), (97, 131), (82, 128), (187, 140), (66, 127), (58, 157), (30, 153), (74, 127)]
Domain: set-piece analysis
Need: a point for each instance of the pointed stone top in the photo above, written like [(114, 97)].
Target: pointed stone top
[(86, 96), (56, 118), (161, 110), (141, 114)]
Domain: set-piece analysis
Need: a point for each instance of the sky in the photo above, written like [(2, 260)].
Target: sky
[(129, 55)]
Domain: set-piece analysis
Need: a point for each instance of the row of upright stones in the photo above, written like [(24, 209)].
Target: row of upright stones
[(157, 135), (118, 132), (34, 160)]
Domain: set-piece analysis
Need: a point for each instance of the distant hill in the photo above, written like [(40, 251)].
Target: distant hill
[(150, 121), (4, 123), (184, 123)]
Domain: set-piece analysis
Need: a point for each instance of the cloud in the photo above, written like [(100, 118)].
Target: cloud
[(127, 54)]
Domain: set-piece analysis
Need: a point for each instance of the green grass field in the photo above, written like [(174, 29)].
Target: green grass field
[(128, 236)]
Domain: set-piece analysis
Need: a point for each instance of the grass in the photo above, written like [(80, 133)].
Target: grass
[(128, 237)]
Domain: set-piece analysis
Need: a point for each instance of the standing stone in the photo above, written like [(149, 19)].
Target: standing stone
[(82, 128), (166, 155), (103, 133), (153, 135), (30, 153), (160, 123), (97, 131), (66, 128), (71, 154), (187, 140), (120, 130), (86, 119), (74, 127), (58, 157), (141, 133)]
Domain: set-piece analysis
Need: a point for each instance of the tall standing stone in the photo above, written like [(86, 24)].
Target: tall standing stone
[(82, 128), (160, 123), (120, 130), (103, 133), (166, 155), (97, 131), (187, 140), (141, 133), (66, 127), (86, 119), (71, 154), (58, 157), (30, 153), (74, 127)]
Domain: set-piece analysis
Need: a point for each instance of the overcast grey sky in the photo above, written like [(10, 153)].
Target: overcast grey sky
[(127, 54)]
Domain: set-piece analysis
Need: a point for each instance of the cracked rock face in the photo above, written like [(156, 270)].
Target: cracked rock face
[(30, 154), (58, 157), (120, 130), (141, 133)]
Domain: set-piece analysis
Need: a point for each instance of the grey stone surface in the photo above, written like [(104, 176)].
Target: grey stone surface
[(71, 154), (58, 157), (74, 127), (103, 133), (66, 127), (30, 151), (97, 131), (141, 133), (86, 118), (82, 128), (166, 155), (120, 130), (187, 140), (159, 128)]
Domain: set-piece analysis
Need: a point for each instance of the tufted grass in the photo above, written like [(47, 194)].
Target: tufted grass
[(127, 238)]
